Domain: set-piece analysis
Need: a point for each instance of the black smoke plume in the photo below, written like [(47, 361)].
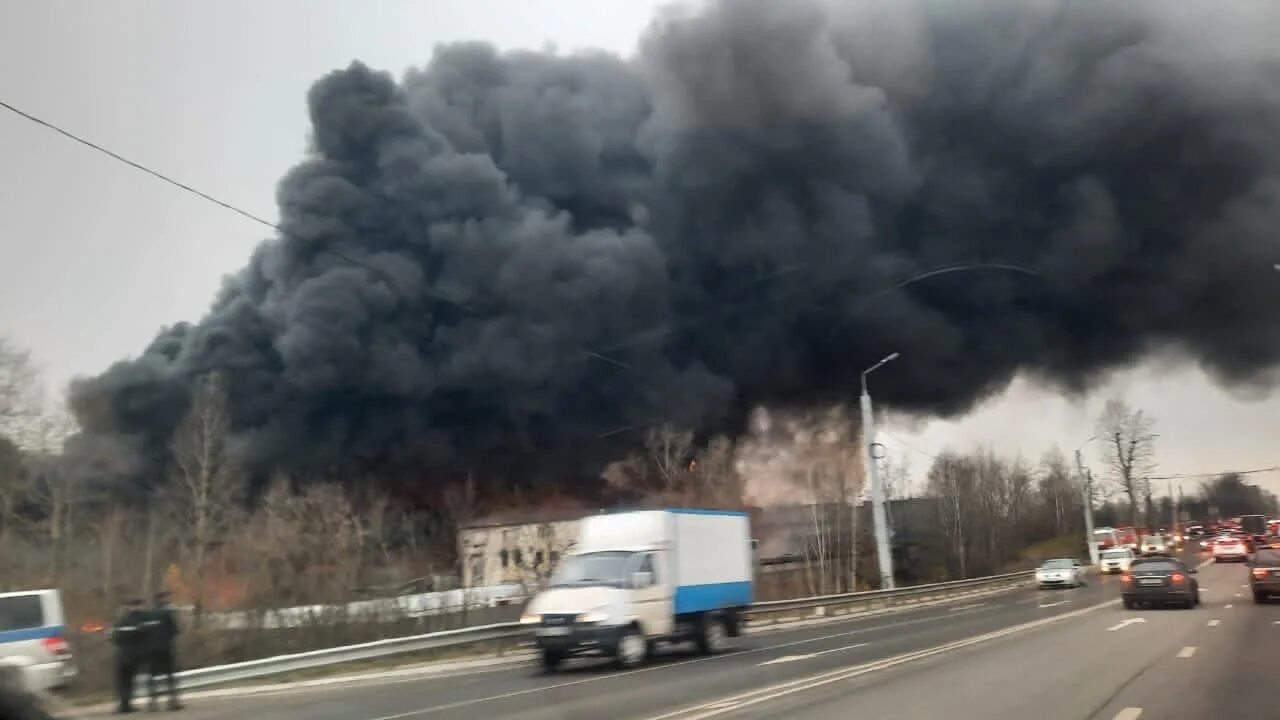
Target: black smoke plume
[(535, 256)]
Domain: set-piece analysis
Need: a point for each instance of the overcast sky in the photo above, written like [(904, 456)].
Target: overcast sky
[(96, 256)]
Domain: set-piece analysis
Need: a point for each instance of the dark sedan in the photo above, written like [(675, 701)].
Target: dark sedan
[(1264, 574), (1159, 581)]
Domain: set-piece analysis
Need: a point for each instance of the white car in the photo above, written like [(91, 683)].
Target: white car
[(33, 645), (1060, 572), (1115, 560), (1155, 545), (1230, 549)]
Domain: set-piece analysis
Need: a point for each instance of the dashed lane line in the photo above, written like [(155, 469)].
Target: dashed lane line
[(1187, 652), (1214, 623), (1129, 713)]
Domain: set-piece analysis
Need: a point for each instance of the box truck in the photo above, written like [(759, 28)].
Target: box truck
[(637, 580)]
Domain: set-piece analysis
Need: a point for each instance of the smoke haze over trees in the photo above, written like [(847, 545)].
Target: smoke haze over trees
[(521, 262)]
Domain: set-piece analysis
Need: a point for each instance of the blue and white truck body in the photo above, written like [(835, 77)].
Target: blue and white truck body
[(636, 580)]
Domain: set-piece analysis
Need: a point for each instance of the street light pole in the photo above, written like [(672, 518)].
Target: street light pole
[(884, 552), (1086, 484)]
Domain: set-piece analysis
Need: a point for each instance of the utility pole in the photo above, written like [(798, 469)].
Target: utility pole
[(1086, 484), (884, 553)]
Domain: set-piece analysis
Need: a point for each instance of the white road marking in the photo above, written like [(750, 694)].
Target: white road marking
[(1125, 623), (1049, 605), (1129, 714), (1187, 651), (753, 697), (1277, 622), (967, 607), (794, 658), (1224, 607), (1214, 623), (431, 709), (1237, 594)]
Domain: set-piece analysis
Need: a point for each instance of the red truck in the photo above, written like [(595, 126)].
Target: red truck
[(1128, 537)]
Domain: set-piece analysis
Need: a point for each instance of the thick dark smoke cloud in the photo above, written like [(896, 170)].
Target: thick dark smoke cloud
[(512, 254)]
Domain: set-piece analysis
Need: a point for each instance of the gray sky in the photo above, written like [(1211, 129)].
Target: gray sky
[(96, 256)]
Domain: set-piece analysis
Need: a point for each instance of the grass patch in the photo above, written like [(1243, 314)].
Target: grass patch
[(1063, 546)]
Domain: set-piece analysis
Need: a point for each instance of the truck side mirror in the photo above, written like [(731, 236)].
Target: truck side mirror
[(641, 579)]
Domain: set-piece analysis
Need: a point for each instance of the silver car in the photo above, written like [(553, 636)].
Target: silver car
[(1060, 572), (33, 640)]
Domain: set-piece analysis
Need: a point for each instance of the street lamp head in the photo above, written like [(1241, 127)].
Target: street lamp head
[(890, 356)]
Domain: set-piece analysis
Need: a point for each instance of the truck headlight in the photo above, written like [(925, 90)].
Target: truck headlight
[(593, 616), (530, 619)]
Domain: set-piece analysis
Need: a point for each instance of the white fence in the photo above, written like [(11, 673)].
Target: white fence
[(387, 609)]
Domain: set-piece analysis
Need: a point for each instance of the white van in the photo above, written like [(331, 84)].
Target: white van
[(33, 644), (639, 579)]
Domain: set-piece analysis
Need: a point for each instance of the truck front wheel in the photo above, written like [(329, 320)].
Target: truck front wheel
[(713, 637), (551, 660), (632, 650)]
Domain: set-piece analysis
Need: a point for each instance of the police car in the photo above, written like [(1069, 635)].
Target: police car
[(33, 640)]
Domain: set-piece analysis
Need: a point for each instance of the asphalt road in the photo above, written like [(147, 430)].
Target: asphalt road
[(992, 657)]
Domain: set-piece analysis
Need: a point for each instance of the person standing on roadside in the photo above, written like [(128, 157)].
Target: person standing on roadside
[(162, 632), (129, 637)]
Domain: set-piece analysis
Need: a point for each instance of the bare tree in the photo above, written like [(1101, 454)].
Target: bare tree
[(1057, 490), (52, 487), (19, 392), (208, 483), (952, 481), (1130, 452)]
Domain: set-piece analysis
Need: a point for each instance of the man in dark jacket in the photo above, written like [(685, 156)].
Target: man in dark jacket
[(162, 631), (129, 637)]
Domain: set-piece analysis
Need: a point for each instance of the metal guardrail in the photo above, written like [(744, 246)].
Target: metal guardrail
[(506, 635)]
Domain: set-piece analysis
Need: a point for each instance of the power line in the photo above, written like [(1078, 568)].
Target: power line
[(138, 166), (433, 292), (1188, 476)]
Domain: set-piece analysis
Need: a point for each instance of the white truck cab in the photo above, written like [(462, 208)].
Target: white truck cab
[(637, 579)]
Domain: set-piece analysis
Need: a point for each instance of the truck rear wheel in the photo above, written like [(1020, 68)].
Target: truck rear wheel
[(713, 638)]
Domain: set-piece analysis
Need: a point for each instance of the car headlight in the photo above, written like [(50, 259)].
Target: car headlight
[(593, 616), (530, 619)]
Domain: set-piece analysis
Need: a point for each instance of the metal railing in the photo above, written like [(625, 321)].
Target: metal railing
[(507, 636)]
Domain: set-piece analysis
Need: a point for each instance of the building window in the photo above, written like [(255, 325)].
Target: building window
[(502, 557), (555, 556), (516, 554), (537, 559)]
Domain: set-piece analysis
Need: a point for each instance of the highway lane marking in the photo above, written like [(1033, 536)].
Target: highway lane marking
[(1187, 651), (1049, 605), (794, 658), (1237, 594), (968, 607), (1126, 623), (1228, 606), (754, 697), (1129, 714), (544, 688), (1212, 623)]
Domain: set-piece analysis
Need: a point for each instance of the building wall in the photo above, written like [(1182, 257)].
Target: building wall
[(524, 553)]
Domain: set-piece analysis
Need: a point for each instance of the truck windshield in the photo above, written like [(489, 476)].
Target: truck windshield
[(598, 568)]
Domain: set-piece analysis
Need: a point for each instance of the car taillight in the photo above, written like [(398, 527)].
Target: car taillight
[(1259, 572), (56, 646), (1177, 578), (1126, 578)]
